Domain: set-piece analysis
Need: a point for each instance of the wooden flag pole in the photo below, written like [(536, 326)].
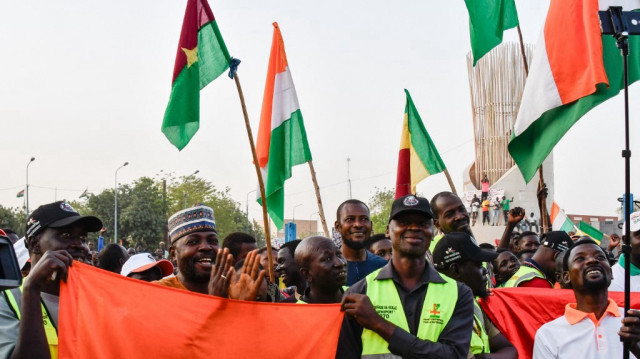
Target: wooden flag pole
[(524, 56), (320, 208), (543, 201), (265, 216), (453, 188)]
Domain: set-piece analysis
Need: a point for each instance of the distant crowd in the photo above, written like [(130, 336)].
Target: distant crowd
[(410, 292)]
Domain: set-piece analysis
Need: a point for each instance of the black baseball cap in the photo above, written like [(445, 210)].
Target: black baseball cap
[(410, 203), (557, 240), (56, 215), (459, 247)]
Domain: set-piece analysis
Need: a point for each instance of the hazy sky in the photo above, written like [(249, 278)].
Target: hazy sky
[(84, 86)]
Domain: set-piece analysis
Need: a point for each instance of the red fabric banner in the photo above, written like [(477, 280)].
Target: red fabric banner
[(105, 315), (519, 312)]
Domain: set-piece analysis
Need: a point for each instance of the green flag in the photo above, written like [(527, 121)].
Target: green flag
[(202, 56), (487, 21), (590, 231)]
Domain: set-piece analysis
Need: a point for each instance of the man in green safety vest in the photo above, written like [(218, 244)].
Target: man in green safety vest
[(450, 215), (324, 268), (55, 235), (406, 308), (458, 256), (539, 270)]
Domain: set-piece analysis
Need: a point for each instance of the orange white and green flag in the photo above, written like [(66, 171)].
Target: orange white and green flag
[(202, 56), (559, 220), (574, 69), (282, 139), (20, 193), (418, 157)]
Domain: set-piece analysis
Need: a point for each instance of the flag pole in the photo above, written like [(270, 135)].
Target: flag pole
[(265, 216), (543, 200), (320, 208), (453, 188)]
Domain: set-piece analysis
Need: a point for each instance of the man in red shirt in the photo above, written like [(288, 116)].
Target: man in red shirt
[(539, 270)]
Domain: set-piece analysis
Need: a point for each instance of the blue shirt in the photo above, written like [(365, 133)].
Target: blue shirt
[(358, 270)]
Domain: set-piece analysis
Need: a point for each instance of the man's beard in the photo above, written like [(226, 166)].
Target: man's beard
[(596, 285), (188, 270), (356, 245)]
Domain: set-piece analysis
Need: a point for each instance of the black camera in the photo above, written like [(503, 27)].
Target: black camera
[(10, 275)]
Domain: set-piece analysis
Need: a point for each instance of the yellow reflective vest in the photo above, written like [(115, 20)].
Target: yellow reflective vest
[(49, 329), (479, 337), (524, 274), (437, 309)]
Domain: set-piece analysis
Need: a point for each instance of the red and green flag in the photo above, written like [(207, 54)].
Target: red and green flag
[(488, 19), (418, 157), (202, 57), (20, 193)]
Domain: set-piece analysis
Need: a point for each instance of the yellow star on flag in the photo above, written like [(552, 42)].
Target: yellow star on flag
[(192, 55)]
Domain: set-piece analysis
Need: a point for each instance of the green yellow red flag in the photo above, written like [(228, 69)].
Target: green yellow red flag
[(418, 157)]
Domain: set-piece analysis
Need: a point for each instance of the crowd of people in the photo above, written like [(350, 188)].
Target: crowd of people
[(411, 292)]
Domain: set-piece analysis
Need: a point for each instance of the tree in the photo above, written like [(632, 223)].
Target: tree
[(142, 214), (13, 219), (380, 207), (190, 190)]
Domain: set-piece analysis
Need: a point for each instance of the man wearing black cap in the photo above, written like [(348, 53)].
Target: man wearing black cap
[(458, 256), (406, 308), (539, 270), (56, 235)]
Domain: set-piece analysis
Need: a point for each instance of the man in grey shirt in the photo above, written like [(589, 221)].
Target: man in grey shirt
[(56, 235), (406, 308)]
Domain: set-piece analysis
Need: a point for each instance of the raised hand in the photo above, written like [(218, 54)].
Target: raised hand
[(221, 274), (614, 242), (245, 285), (515, 216)]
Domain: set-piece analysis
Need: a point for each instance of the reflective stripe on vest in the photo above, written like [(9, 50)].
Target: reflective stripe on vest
[(437, 309), (14, 296), (479, 337), (523, 274)]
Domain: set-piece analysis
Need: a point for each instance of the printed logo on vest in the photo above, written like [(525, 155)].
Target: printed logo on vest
[(435, 313)]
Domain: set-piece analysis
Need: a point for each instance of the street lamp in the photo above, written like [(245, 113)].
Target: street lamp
[(248, 193), (27, 187), (185, 192), (115, 212), (294, 212), (349, 176)]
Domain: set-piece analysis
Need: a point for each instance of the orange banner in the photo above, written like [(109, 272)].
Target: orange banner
[(105, 315)]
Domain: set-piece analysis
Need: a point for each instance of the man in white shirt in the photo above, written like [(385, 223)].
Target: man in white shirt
[(593, 326), (617, 283)]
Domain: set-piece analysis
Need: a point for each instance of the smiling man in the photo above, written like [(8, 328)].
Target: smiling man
[(202, 266), (323, 267), (56, 235), (353, 222), (458, 256), (407, 308), (593, 326), (289, 272), (450, 215)]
